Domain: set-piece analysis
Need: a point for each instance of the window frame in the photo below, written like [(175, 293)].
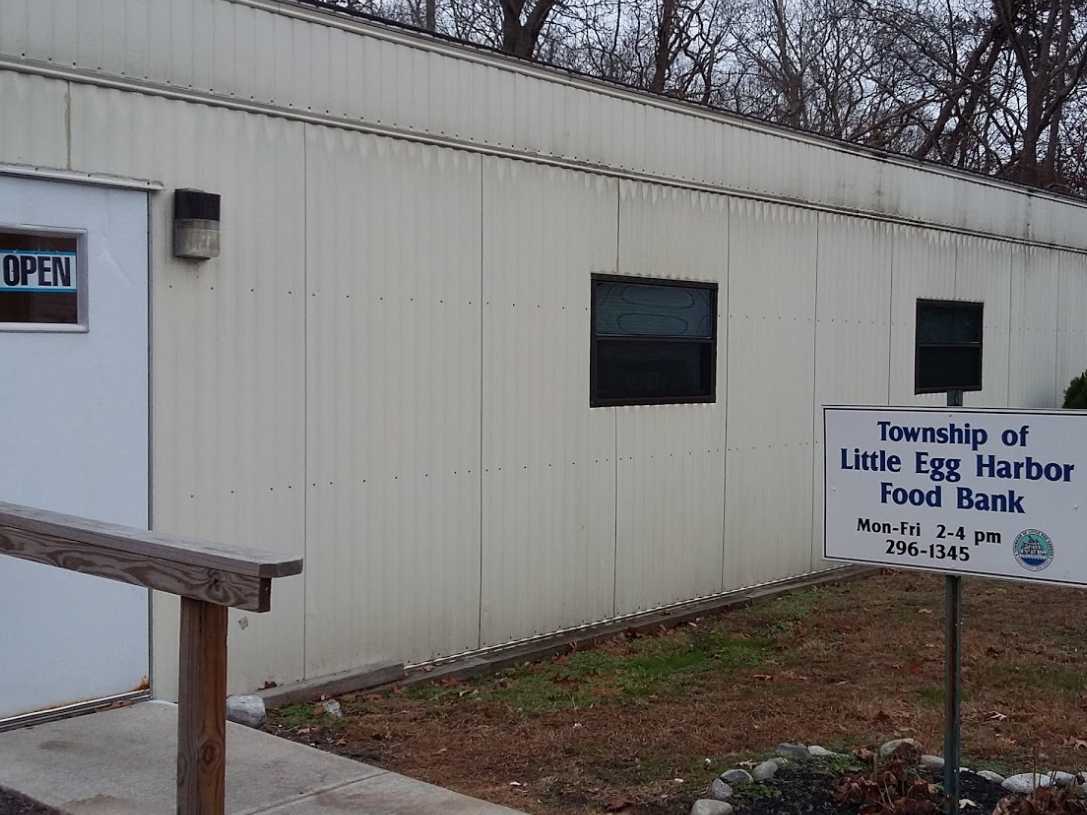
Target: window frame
[(918, 345), (594, 338)]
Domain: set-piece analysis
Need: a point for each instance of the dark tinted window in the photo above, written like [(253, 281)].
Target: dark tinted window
[(653, 342), (629, 309), (38, 279), (949, 335)]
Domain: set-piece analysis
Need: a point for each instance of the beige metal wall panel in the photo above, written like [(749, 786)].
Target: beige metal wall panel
[(852, 332), (300, 59), (923, 266), (548, 459), (771, 333), (393, 395), (671, 458), (1071, 327), (1032, 371), (963, 202), (228, 381), (983, 274), (33, 127), (460, 492)]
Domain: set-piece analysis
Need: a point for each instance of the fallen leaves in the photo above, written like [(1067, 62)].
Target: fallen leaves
[(1045, 801), (891, 789)]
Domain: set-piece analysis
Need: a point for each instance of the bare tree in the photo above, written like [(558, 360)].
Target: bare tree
[(996, 86)]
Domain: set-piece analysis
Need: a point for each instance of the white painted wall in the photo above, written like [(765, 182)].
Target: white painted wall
[(386, 371)]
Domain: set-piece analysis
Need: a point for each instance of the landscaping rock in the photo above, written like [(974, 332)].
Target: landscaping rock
[(1062, 779), (989, 775), (932, 762), (766, 770), (815, 751), (736, 776), (798, 752), (719, 790), (707, 807), (247, 710), (332, 708), (1026, 783), (888, 748)]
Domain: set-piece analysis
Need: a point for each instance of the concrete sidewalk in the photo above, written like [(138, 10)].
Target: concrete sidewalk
[(123, 762)]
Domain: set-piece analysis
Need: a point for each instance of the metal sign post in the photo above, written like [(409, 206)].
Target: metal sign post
[(952, 690), (952, 673)]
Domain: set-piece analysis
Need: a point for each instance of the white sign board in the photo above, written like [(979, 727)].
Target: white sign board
[(39, 271), (994, 493)]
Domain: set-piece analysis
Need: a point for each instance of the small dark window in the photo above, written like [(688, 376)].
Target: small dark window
[(39, 279), (948, 346), (653, 341)]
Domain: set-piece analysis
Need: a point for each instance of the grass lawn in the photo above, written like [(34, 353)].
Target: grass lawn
[(641, 724)]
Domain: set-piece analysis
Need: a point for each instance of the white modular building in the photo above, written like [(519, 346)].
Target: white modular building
[(500, 350)]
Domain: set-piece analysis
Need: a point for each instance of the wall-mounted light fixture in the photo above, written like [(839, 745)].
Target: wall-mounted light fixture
[(196, 224)]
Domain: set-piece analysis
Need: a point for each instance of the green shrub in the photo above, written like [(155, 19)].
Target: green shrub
[(1075, 398)]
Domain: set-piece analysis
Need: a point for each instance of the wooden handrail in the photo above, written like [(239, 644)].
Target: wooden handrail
[(217, 574), (209, 578)]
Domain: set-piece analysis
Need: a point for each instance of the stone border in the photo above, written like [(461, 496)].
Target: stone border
[(721, 788)]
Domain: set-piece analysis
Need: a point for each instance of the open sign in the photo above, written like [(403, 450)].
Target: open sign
[(49, 271), (41, 280)]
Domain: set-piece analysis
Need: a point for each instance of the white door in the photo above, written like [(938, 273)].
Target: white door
[(74, 432)]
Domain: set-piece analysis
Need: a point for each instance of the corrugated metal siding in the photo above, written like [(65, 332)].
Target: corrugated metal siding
[(393, 388), (1071, 327), (1034, 332), (228, 376), (548, 459), (983, 273), (33, 129), (415, 321), (671, 458), (289, 56), (771, 330), (924, 267), (852, 331)]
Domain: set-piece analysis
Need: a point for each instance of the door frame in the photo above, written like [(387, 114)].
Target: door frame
[(148, 189)]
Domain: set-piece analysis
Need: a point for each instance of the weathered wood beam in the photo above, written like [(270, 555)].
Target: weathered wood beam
[(215, 574)]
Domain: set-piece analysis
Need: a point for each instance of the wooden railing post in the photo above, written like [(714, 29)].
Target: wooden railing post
[(210, 579), (201, 709)]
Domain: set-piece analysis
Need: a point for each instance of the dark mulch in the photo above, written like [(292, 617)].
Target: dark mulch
[(809, 790), (12, 803), (982, 792)]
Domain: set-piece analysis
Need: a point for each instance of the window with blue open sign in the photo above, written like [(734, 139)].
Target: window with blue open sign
[(39, 279), (653, 341)]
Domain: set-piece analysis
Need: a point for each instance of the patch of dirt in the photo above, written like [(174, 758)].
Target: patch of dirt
[(641, 724), (12, 803)]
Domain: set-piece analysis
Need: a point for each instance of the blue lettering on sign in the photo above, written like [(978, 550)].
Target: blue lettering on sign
[(42, 271), (946, 470)]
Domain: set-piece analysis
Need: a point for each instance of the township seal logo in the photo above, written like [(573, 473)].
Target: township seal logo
[(1033, 549)]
